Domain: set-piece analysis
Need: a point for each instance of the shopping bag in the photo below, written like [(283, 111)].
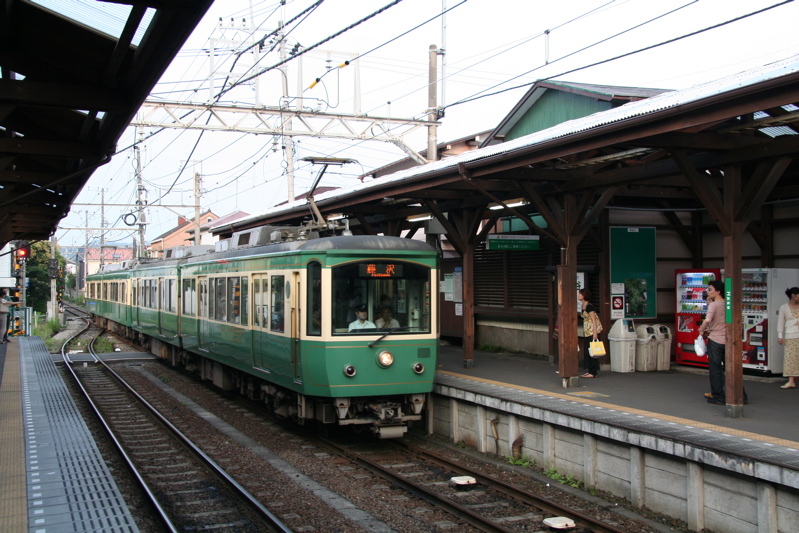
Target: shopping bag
[(699, 346), (596, 349)]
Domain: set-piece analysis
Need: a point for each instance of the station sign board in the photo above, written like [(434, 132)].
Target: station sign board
[(514, 242)]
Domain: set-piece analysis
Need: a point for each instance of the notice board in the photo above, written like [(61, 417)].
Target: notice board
[(633, 263)]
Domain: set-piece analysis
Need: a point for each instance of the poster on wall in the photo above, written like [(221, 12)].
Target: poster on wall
[(633, 265)]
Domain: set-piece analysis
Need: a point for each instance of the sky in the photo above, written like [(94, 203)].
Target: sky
[(493, 50)]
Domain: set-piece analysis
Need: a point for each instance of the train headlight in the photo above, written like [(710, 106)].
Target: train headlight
[(418, 368), (350, 371), (385, 359)]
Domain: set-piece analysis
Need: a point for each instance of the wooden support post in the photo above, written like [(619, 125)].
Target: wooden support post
[(733, 353), (568, 353), (468, 306)]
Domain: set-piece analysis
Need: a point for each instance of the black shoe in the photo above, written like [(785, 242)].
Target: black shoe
[(715, 401)]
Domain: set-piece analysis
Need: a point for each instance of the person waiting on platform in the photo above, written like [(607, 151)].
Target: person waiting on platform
[(715, 330), (788, 335), (591, 329), (360, 321), (5, 304), (387, 320)]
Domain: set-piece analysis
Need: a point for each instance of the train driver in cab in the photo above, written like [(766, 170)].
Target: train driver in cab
[(387, 320), (360, 321)]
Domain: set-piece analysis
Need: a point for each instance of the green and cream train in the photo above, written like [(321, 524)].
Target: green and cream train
[(271, 312)]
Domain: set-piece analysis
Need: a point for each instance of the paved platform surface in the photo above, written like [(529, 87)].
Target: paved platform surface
[(52, 476), (671, 395)]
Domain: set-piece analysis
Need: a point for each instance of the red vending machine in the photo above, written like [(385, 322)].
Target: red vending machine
[(690, 287)]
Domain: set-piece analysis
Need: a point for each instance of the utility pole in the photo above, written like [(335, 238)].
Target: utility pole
[(197, 184), (140, 201), (53, 311), (432, 96), (86, 254), (287, 140), (102, 228)]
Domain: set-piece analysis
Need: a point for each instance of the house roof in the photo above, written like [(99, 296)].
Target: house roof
[(608, 93), (69, 91), (221, 221), (180, 227)]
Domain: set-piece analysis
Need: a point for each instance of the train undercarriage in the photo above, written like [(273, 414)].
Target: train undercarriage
[(386, 417)]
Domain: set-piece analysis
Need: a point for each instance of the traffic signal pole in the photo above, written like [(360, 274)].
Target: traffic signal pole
[(53, 307)]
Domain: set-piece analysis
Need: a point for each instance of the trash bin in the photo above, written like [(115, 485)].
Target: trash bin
[(664, 346), (622, 339), (646, 349)]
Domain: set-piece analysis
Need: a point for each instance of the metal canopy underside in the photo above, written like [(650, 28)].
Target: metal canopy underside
[(67, 93), (666, 153)]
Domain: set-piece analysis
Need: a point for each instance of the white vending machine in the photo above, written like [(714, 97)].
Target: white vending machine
[(763, 293)]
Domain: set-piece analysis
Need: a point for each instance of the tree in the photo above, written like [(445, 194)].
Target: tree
[(38, 272)]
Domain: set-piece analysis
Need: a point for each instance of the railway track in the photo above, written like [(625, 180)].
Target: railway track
[(483, 502), (487, 505), (186, 489)]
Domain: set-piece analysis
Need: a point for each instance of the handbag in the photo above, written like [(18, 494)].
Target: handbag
[(596, 349), (699, 346)]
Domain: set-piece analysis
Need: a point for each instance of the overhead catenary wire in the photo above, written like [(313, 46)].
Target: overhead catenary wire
[(620, 56)]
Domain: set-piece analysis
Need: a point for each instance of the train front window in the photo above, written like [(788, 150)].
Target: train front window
[(372, 297)]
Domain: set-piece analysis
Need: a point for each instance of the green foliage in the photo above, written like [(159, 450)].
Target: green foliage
[(47, 331), (38, 273), (490, 348), (523, 461), (571, 481), (103, 345)]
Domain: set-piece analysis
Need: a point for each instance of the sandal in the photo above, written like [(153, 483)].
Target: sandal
[(587, 375)]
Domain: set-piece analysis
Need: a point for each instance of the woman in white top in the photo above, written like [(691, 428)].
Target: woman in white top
[(788, 335)]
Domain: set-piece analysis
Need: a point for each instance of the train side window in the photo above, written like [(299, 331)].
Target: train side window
[(189, 300), (234, 300), (278, 301), (314, 305), (169, 295), (154, 293), (245, 301), (219, 299), (260, 295), (204, 304)]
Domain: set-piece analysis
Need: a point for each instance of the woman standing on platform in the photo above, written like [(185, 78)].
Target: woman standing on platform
[(591, 329), (5, 303), (788, 334)]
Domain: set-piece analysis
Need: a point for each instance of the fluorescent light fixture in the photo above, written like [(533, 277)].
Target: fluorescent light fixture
[(336, 216), (419, 218), (518, 202)]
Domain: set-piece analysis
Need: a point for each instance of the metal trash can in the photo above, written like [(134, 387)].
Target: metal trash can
[(622, 339), (646, 349), (664, 346)]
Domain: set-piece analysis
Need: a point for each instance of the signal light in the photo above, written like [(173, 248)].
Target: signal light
[(23, 251)]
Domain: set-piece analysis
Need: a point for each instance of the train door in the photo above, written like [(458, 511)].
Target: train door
[(134, 309), (202, 317), (160, 304), (260, 314), (293, 304)]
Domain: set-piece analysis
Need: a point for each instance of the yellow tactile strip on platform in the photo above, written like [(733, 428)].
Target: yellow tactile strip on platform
[(659, 416), (13, 489)]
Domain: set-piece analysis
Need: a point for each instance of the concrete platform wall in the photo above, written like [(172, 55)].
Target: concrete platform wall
[(704, 488)]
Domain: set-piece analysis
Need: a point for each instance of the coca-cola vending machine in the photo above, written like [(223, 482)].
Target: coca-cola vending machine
[(762, 294), (691, 292)]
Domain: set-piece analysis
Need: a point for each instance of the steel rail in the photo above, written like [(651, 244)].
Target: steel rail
[(540, 502), (273, 522)]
